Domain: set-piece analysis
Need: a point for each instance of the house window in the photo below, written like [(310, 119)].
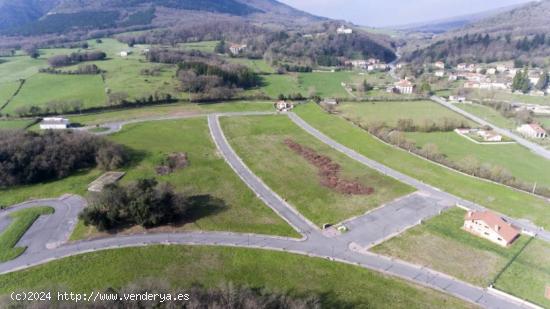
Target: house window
[(499, 239), (486, 233)]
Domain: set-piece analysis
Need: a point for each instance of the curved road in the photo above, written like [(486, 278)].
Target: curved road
[(528, 227), (535, 148), (312, 244)]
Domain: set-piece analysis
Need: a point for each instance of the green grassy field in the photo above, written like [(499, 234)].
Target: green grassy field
[(327, 84), (441, 244), (76, 184), (7, 90), (390, 112), (519, 161), (180, 267), (259, 141), (276, 84), (43, 88), (502, 199), (19, 67), (509, 97), (258, 65), (21, 221), (488, 114), (204, 46), (532, 270), (15, 124), (207, 174), (171, 110)]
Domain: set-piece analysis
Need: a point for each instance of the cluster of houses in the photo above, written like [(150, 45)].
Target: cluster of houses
[(490, 226), (370, 65), (487, 77)]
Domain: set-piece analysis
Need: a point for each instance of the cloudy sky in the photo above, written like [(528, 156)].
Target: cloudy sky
[(380, 13)]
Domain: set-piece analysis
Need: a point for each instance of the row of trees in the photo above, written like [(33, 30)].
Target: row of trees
[(144, 202), (83, 69), (74, 58), (469, 165), (28, 157)]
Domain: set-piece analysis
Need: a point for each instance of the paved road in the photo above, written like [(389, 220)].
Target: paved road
[(314, 244), (49, 231), (535, 148), (270, 198), (421, 186), (116, 126), (392, 219)]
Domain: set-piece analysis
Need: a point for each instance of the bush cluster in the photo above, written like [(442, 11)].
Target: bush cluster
[(144, 202), (29, 157)]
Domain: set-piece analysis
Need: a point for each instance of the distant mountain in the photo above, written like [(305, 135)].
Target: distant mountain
[(39, 17), (444, 25), (522, 33)]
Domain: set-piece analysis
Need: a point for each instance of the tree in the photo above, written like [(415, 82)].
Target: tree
[(469, 165), (430, 151), (220, 47), (425, 88), (543, 81)]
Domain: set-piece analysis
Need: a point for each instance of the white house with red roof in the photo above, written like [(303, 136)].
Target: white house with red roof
[(404, 86), (533, 130), (490, 226)]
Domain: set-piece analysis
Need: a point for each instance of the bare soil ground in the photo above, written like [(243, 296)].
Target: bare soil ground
[(329, 172)]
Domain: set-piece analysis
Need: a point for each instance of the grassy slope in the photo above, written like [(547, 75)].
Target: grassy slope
[(519, 161), (391, 112), (259, 141), (507, 201), (7, 89), (21, 222), (43, 88), (78, 183), (326, 84), (171, 110), (207, 174), (441, 244), (180, 267), (488, 114), (14, 124), (19, 67), (532, 269)]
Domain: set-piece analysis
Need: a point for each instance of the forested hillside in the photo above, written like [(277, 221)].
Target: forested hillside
[(522, 33)]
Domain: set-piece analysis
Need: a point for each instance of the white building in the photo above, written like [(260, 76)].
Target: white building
[(440, 65), (491, 71), (343, 30), (54, 123), (236, 49), (489, 136), (125, 53), (532, 130), (283, 106), (490, 226), (439, 73), (457, 99), (404, 87)]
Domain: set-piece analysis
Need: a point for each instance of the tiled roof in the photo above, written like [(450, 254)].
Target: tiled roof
[(496, 223)]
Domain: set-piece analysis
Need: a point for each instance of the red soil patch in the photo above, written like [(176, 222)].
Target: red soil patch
[(329, 171)]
